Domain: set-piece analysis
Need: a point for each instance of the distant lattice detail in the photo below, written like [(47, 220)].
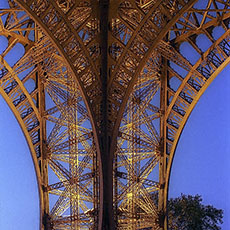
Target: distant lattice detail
[(45, 97), (18, 32), (70, 153), (198, 22), (138, 153), (133, 32), (139, 72)]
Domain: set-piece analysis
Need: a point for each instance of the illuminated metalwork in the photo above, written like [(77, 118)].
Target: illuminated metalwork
[(102, 90)]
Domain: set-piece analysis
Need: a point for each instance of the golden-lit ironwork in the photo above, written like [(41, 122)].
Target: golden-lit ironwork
[(102, 90)]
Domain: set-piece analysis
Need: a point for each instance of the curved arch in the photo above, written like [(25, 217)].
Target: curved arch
[(137, 31), (30, 144), (175, 113), (137, 157), (68, 36), (19, 100), (148, 48), (224, 62), (56, 125), (54, 22)]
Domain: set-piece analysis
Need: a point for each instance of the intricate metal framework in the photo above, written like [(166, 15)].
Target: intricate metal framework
[(102, 90)]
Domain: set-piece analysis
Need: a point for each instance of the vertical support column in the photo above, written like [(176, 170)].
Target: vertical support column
[(46, 225), (163, 151), (104, 132)]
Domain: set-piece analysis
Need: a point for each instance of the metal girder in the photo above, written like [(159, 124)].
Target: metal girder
[(199, 77), (102, 97), (40, 83)]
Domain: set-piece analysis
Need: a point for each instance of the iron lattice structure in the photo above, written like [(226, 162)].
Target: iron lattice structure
[(102, 90)]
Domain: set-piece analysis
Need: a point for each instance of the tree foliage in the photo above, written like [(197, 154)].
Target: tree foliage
[(187, 213)]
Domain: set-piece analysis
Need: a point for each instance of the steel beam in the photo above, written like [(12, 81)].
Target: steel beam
[(106, 184)]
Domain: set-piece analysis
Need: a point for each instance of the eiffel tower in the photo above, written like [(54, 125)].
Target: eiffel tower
[(102, 90)]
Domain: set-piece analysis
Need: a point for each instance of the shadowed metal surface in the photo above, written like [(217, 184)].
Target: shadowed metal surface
[(102, 93)]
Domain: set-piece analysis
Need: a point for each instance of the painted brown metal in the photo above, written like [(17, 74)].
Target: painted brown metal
[(106, 113)]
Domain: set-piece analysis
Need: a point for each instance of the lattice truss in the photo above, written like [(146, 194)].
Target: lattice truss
[(203, 32), (47, 102), (136, 162), (198, 51), (162, 55)]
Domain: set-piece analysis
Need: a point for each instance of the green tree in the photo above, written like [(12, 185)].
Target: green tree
[(187, 213)]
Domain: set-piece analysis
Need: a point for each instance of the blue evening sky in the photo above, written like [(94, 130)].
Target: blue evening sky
[(202, 159), (201, 164), (19, 198)]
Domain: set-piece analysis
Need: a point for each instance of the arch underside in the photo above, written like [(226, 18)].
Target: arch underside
[(50, 109), (55, 92)]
